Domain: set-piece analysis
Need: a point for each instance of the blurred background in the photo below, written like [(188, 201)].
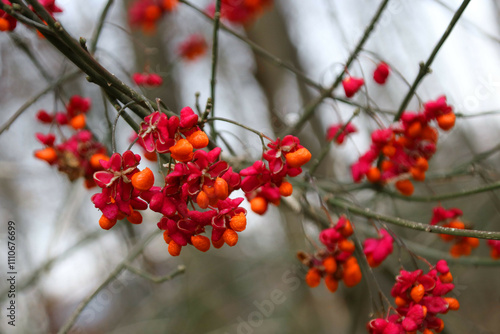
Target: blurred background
[(257, 286)]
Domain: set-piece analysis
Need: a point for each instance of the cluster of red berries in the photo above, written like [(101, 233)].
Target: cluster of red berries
[(352, 84), (198, 177), (50, 6), (193, 47), (419, 299), (378, 249), (74, 115), (336, 262), (264, 184), (405, 148), (147, 79), (450, 218), (121, 183), (9, 23), (495, 249), (243, 11), (332, 130), (146, 13), (76, 156), (175, 135)]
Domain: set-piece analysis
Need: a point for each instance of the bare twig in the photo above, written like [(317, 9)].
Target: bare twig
[(111, 277), (98, 28), (35, 98), (425, 67), (156, 279), (311, 107), (411, 224)]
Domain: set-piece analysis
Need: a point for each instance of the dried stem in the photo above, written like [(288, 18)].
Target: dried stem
[(443, 197), (111, 277), (156, 279), (411, 224), (311, 107), (35, 98), (98, 28), (425, 67)]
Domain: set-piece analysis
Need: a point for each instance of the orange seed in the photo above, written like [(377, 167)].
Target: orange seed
[(200, 242), (238, 222), (429, 133), (331, 283), (202, 200), (258, 205), (4, 24), (389, 150), (152, 13), (446, 278), (424, 310), (405, 187), (351, 261), (441, 326), (198, 139), (230, 237), (400, 301), (473, 242), (456, 224), (182, 150), (417, 293), (386, 165), (313, 277), (135, 217), (347, 246), (174, 249), (460, 249), (414, 129), (151, 156), (166, 237), (96, 158), (298, 158), (169, 5), (417, 174), (218, 244), (422, 164), (286, 189), (453, 304), (221, 188), (447, 121), (48, 154), (373, 175), (106, 223), (330, 265), (352, 275), (347, 230), (143, 180), (78, 122)]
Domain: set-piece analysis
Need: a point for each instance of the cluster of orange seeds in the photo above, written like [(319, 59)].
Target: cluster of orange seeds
[(336, 262), (462, 245), (401, 153), (420, 300), (450, 218), (77, 155), (147, 13)]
